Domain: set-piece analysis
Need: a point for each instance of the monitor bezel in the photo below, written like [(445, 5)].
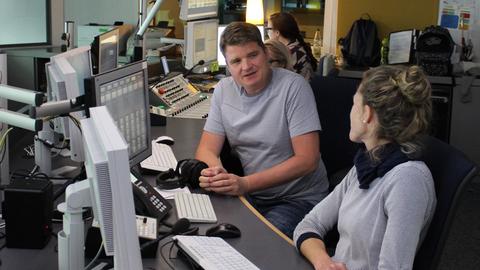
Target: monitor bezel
[(93, 98), (96, 50), (189, 40), (197, 13)]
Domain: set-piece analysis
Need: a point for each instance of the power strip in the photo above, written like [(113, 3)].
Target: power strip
[(147, 227)]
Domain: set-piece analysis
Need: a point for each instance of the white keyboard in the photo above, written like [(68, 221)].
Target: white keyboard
[(213, 253), (162, 158), (195, 207)]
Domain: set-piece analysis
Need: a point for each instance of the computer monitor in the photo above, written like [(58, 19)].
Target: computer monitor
[(106, 163), (105, 51), (200, 44), (198, 9), (67, 73), (56, 91), (220, 58), (124, 91)]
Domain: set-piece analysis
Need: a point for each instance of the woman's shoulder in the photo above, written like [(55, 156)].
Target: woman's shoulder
[(412, 173)]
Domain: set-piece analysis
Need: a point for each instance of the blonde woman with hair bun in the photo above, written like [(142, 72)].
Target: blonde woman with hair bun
[(385, 203), (278, 54)]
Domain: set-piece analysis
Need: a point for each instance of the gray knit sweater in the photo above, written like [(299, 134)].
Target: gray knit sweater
[(380, 227)]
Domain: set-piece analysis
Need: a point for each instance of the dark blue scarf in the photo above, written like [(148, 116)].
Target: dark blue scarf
[(368, 170)]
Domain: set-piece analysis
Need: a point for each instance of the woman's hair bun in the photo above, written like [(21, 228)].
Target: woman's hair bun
[(414, 85)]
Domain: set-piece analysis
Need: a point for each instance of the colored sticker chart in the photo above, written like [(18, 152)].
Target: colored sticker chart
[(459, 14)]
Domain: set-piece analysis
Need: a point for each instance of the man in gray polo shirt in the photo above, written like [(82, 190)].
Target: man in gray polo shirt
[(270, 119)]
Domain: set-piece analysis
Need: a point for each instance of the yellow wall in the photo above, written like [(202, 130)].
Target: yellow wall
[(389, 15), (169, 11)]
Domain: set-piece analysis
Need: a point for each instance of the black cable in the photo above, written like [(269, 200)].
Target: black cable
[(64, 186), (189, 259), (162, 255), (13, 172), (75, 121), (35, 175), (40, 177), (51, 145)]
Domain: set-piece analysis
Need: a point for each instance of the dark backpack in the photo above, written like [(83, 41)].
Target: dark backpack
[(361, 46), (434, 49)]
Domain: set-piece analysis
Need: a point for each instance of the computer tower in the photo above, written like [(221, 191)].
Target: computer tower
[(27, 211)]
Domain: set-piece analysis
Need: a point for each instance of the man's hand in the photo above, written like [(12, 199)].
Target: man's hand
[(218, 180)]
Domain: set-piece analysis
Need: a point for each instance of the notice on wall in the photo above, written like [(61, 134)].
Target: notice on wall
[(462, 19), (458, 14)]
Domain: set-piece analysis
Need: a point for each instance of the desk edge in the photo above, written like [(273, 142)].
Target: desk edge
[(264, 220)]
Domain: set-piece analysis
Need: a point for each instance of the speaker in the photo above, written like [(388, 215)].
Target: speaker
[(186, 173), (27, 210)]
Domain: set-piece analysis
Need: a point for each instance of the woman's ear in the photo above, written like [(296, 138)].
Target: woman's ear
[(367, 114)]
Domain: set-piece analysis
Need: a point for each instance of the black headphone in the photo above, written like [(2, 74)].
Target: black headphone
[(186, 173)]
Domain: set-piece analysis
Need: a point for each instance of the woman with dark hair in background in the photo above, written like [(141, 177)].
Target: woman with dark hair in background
[(283, 27)]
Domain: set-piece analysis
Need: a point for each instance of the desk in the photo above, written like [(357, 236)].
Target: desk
[(259, 243)]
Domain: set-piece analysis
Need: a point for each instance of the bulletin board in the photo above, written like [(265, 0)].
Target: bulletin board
[(462, 19)]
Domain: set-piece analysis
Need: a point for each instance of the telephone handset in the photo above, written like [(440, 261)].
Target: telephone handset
[(148, 201)]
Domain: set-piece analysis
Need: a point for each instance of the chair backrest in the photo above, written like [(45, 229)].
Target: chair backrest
[(452, 171), (334, 97)]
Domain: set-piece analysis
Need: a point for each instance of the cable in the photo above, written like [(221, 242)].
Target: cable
[(62, 189), (162, 255), (41, 174), (49, 144), (3, 143), (38, 175), (96, 257), (4, 151), (76, 122)]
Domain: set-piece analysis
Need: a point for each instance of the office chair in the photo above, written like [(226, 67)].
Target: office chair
[(452, 172), (230, 160), (334, 98)]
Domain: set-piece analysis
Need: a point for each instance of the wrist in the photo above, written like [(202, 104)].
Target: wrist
[(245, 185)]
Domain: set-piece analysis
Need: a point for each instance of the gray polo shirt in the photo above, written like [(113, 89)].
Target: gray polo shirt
[(260, 128)]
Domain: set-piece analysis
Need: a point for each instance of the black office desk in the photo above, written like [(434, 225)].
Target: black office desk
[(259, 242)]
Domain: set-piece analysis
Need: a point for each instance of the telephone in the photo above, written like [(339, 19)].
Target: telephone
[(148, 201)]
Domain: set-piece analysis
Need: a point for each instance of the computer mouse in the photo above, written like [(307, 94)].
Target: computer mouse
[(224, 230), (165, 140)]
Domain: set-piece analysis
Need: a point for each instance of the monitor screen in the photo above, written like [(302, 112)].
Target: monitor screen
[(198, 9), (200, 42), (124, 91), (24, 22), (220, 58), (105, 51)]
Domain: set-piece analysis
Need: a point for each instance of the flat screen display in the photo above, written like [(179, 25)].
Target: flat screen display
[(24, 22)]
